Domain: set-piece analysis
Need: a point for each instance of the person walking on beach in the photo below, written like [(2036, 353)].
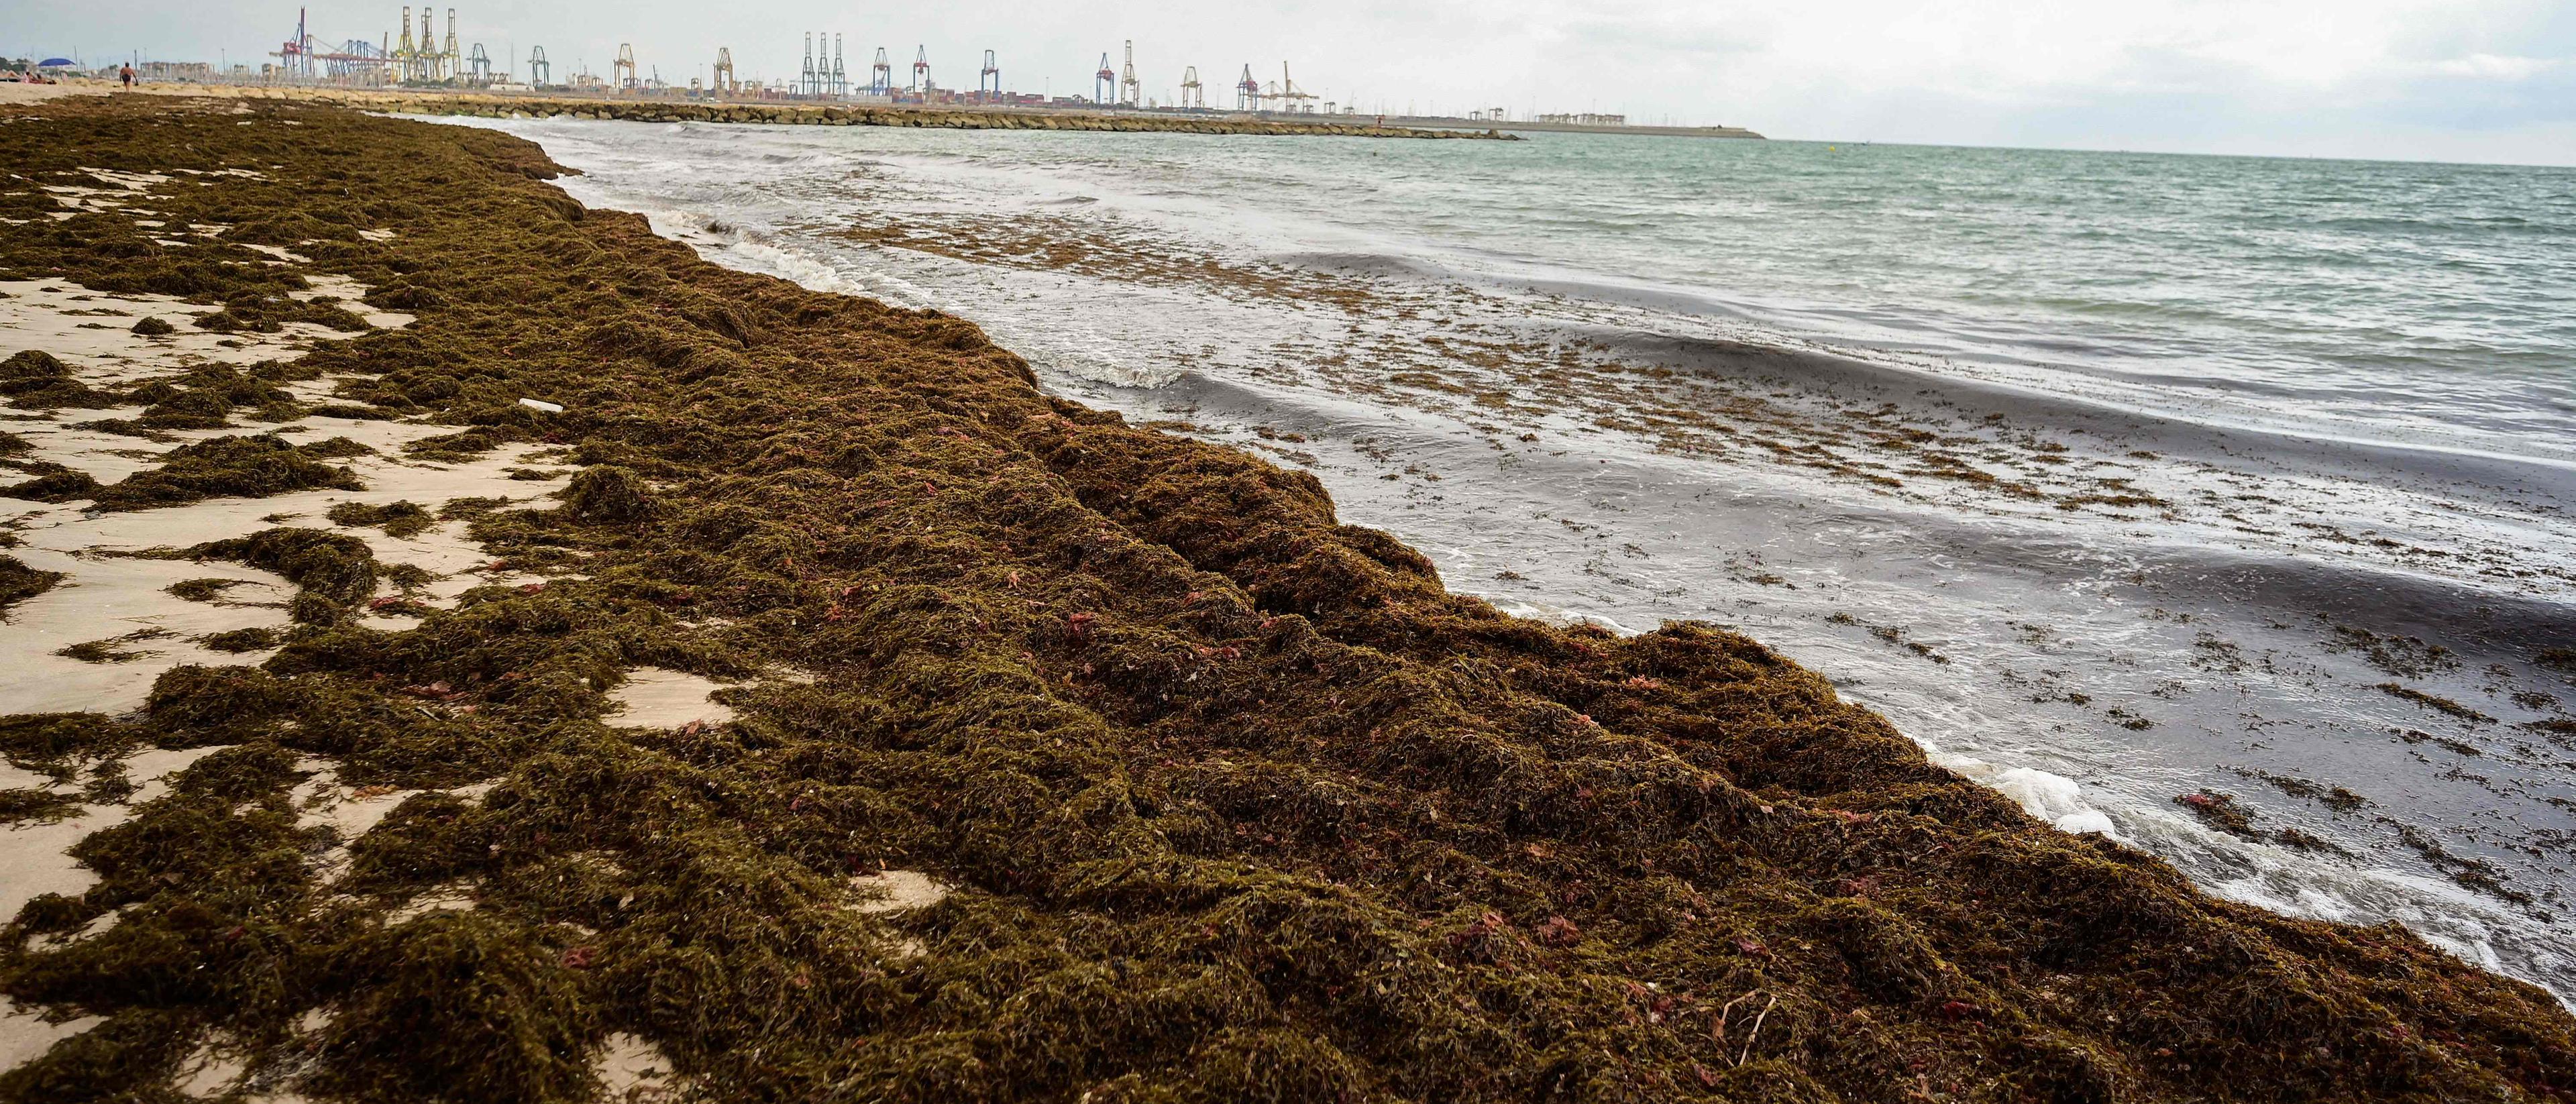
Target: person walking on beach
[(125, 73)]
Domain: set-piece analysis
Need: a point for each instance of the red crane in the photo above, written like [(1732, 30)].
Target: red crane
[(296, 55)]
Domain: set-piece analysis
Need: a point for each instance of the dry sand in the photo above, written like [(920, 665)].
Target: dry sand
[(652, 697), (106, 594), (634, 1071), (12, 92)]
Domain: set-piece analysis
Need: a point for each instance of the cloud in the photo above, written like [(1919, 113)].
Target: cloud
[(2494, 67), (1693, 35), (2380, 77)]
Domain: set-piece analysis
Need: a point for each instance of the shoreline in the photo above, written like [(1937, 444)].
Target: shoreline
[(1028, 720), (1474, 433), (494, 105)]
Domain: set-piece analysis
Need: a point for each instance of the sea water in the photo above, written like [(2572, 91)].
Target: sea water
[(2134, 486)]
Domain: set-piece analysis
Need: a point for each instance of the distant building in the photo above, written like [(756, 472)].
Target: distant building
[(196, 71), (1586, 119)]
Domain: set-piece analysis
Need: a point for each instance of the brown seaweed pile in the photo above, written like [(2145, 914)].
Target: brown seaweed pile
[(19, 582), (1232, 802)]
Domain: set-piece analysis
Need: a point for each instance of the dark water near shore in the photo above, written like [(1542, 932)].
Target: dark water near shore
[(2109, 478)]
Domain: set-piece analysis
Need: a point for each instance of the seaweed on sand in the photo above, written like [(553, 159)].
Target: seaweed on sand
[(331, 571), (1232, 801), (202, 590), (256, 313), (246, 467), (206, 397), (60, 484), (609, 494), (21, 805), (111, 650), (397, 519), (19, 582), (241, 640), (36, 380)]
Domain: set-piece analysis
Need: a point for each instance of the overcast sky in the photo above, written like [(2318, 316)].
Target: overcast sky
[(2472, 80)]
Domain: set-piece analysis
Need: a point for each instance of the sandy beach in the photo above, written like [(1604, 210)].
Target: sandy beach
[(13, 92), (465, 646)]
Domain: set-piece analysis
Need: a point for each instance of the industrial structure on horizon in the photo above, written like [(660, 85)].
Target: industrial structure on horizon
[(424, 54), (413, 58)]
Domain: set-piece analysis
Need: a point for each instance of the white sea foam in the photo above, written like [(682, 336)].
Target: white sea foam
[(2054, 798)]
